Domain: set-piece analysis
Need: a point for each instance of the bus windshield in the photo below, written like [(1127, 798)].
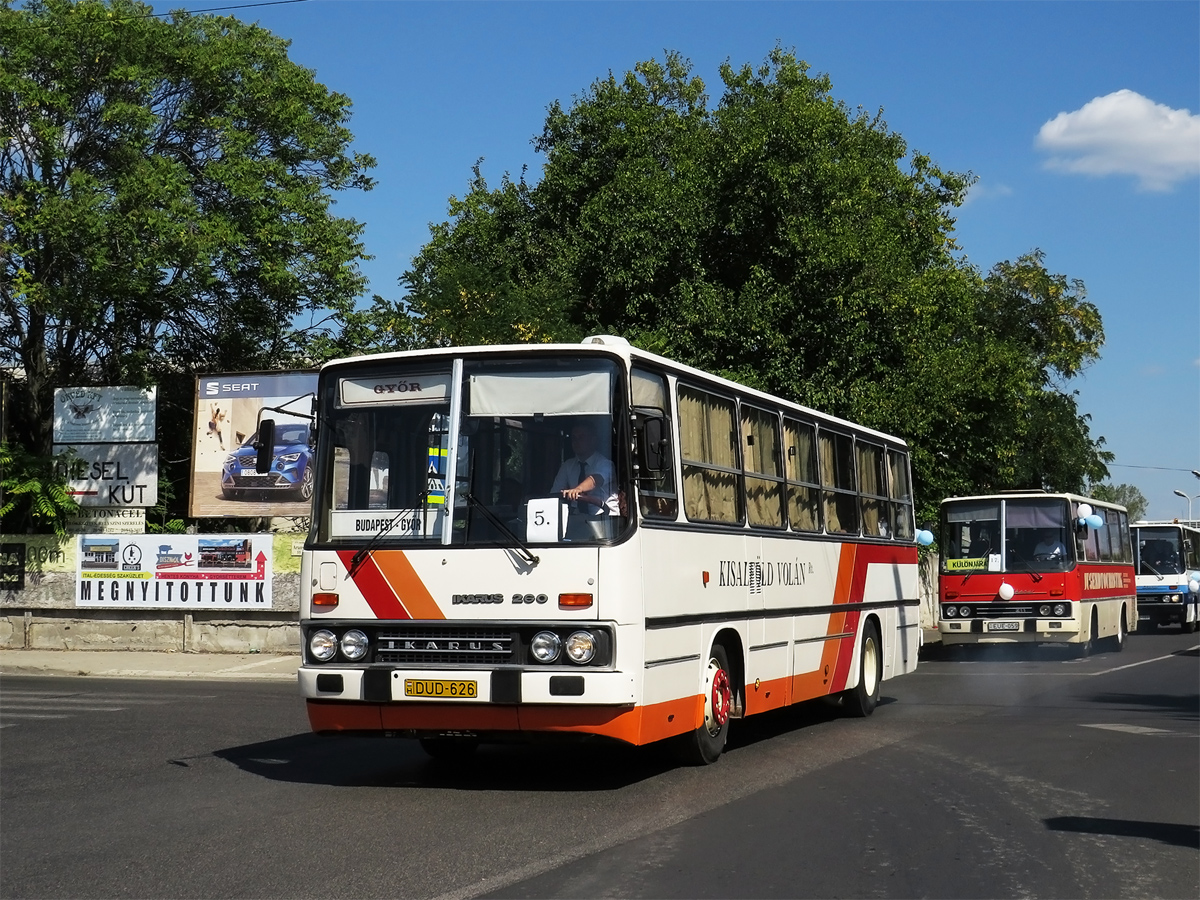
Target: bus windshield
[(536, 460), (1160, 551), (1017, 535)]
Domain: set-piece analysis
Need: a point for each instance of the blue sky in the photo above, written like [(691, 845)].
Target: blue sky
[(1080, 119)]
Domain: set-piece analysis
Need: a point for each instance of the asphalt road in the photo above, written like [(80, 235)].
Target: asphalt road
[(1030, 775)]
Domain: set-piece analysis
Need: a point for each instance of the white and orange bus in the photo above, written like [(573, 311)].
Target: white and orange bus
[(723, 553), (1034, 567)]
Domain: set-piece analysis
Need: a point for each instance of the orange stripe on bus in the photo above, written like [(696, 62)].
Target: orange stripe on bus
[(374, 587), (449, 717), (839, 623), (766, 695), (407, 584)]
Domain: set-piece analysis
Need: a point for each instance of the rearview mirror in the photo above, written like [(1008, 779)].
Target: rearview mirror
[(265, 445), (654, 450)]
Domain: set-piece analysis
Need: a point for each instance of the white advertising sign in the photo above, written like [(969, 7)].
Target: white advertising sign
[(108, 520), (113, 474), (181, 571), (84, 415)]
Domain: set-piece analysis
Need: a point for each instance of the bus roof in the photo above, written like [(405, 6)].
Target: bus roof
[(1036, 495), (609, 345)]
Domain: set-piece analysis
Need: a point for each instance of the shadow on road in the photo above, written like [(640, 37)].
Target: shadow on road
[(545, 764), (588, 765), (1180, 706), (1164, 832)]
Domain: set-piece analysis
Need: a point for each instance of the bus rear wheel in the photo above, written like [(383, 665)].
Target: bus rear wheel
[(862, 699), (703, 746), (1116, 643)]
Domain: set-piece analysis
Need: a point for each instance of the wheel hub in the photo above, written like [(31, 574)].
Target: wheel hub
[(720, 701)]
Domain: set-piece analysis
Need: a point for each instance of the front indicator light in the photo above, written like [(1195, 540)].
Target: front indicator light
[(354, 645), (323, 645), (574, 601), (545, 646), (325, 599), (581, 647)]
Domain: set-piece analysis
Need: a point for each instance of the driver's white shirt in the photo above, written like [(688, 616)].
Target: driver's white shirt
[(1054, 548), (599, 466)]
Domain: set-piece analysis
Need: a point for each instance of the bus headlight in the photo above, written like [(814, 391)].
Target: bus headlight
[(354, 644), (545, 646), (1044, 609), (581, 647), (1060, 609), (965, 612), (951, 612), (322, 645)]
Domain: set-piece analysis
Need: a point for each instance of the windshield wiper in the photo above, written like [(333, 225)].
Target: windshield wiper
[(361, 555), (496, 523), (1153, 571), (1036, 576)]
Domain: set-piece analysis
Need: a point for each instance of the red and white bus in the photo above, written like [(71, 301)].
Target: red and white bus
[(726, 553), (1033, 567)]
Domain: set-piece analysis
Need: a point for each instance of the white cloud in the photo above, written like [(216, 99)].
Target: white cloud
[(1125, 133)]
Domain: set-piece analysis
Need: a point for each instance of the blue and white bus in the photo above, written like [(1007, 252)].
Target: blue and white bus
[(1167, 555)]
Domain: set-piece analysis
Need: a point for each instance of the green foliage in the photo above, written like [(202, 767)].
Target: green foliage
[(786, 241), (33, 491), (165, 205), (1127, 495)]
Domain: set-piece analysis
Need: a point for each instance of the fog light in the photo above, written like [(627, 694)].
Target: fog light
[(354, 644), (1060, 609), (322, 645), (581, 647), (545, 646)]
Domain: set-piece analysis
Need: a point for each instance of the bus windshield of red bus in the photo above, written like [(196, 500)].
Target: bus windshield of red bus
[(1019, 535)]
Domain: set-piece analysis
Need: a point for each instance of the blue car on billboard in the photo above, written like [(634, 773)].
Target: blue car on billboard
[(290, 476)]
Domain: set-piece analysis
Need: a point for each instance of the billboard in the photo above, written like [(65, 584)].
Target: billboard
[(223, 478), (103, 415), (181, 571), (113, 475)]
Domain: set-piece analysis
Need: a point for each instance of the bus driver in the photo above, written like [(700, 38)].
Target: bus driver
[(587, 477)]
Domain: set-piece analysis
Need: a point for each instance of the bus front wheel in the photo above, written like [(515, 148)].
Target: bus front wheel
[(862, 699), (703, 746)]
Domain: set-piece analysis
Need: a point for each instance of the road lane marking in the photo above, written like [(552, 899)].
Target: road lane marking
[(1145, 661), (1131, 729)]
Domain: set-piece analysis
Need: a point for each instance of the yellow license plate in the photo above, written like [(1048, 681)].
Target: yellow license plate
[(418, 687)]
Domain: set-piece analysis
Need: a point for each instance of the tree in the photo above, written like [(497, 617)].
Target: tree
[(165, 191), (788, 242), (1127, 495)]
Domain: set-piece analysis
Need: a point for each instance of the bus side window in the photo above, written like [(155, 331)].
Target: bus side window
[(837, 480), (657, 495), (872, 486), (708, 432), (763, 473), (800, 459), (900, 492)]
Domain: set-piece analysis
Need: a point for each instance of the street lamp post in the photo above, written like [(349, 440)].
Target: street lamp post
[(1188, 499)]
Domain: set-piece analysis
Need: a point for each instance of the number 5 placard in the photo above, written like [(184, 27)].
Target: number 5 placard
[(546, 520)]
